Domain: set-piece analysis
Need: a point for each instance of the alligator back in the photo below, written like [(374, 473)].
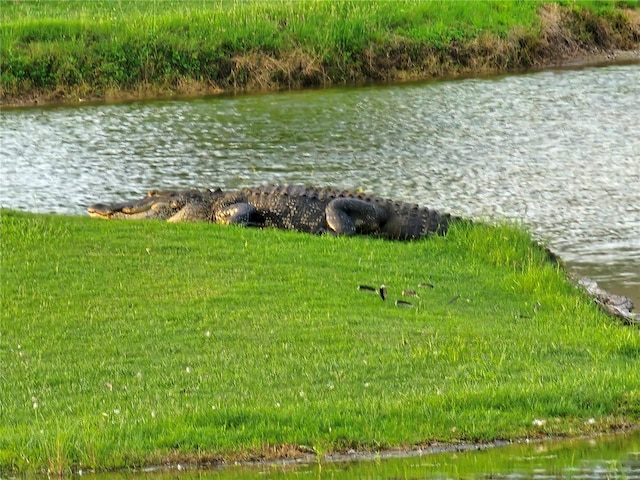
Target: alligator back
[(294, 207)]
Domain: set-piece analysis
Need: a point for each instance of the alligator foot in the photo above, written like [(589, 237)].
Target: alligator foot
[(347, 215)]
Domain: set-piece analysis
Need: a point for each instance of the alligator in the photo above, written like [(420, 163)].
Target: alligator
[(290, 207)]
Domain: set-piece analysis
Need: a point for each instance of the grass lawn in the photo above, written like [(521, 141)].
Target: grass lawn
[(134, 343)]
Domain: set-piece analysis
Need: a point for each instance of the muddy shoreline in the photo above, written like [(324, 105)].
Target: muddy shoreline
[(292, 457), (597, 57)]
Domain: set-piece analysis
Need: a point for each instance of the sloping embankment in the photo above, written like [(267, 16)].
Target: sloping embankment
[(566, 35)]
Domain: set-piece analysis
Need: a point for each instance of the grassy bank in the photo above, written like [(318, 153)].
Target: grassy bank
[(134, 343), (71, 50)]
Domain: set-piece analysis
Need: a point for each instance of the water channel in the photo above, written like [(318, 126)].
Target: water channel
[(557, 150)]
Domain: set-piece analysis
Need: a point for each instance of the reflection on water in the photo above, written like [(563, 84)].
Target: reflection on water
[(605, 458), (557, 151)]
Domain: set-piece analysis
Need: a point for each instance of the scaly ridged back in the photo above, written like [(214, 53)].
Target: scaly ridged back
[(295, 207)]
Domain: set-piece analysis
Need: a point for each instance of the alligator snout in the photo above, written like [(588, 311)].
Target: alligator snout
[(101, 210), (156, 205), (120, 210)]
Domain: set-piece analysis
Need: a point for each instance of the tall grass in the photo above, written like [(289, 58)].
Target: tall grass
[(135, 343), (91, 47)]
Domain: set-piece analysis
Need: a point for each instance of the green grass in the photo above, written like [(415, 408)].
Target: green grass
[(133, 343), (93, 47)]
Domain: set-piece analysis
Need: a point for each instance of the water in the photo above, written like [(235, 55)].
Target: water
[(604, 458), (558, 151)]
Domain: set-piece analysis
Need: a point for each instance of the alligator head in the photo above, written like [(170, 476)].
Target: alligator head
[(171, 205)]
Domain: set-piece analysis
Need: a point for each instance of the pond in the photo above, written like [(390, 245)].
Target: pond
[(557, 151)]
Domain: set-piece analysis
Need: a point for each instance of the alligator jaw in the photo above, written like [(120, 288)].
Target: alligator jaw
[(143, 209), (156, 205), (103, 210)]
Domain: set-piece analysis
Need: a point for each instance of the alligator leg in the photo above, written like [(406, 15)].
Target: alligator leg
[(192, 212), (346, 216), (239, 214)]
